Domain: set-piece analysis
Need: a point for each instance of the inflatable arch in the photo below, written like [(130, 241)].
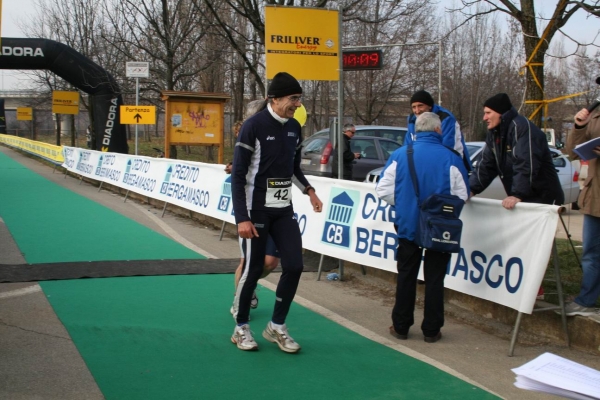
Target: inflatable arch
[(81, 72)]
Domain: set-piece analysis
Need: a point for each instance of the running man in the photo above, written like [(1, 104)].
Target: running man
[(266, 158)]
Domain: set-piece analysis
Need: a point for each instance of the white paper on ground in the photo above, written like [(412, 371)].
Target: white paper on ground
[(553, 374)]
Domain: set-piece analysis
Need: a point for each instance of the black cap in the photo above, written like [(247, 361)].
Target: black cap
[(598, 80), (422, 97), (499, 103), (283, 84)]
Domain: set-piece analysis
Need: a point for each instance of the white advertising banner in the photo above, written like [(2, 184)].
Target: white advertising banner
[(504, 252), (200, 187)]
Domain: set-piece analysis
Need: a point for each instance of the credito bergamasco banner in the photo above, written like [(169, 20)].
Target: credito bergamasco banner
[(302, 42)]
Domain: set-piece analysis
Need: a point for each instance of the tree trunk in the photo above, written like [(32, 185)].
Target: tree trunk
[(73, 131), (57, 129), (535, 74)]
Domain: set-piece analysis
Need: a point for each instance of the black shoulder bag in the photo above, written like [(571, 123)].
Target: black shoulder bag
[(439, 227)]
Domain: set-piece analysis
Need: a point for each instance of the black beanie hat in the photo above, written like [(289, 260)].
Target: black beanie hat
[(283, 84), (422, 97), (499, 103)]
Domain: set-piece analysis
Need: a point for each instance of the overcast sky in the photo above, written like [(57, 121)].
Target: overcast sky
[(580, 27)]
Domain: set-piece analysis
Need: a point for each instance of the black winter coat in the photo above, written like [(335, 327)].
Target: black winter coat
[(347, 158), (517, 151)]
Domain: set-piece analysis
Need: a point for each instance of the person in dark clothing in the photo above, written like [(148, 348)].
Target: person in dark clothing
[(265, 159), (348, 156), (517, 151)]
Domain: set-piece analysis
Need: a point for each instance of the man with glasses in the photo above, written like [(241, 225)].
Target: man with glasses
[(348, 156), (265, 159)]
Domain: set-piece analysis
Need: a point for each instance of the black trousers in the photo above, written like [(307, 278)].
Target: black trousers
[(408, 261), (284, 230)]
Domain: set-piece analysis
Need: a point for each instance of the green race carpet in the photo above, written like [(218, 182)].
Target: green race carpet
[(168, 337)]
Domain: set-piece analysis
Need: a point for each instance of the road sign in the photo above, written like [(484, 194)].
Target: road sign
[(137, 69), (138, 115), (24, 113), (65, 102)]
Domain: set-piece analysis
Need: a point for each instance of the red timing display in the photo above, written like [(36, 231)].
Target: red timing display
[(362, 59)]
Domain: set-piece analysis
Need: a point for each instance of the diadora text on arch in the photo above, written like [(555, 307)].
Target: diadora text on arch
[(22, 51)]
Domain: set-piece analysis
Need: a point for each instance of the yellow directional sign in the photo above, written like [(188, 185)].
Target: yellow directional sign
[(65, 102), (138, 115), (24, 113)]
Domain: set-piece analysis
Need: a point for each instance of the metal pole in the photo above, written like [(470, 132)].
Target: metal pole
[(340, 118), (440, 74), (389, 45), (137, 100)]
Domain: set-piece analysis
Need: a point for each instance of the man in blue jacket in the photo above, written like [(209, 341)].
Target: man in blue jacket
[(266, 157), (439, 170), (452, 137)]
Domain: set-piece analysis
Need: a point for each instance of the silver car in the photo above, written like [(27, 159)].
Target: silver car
[(567, 174), (374, 143)]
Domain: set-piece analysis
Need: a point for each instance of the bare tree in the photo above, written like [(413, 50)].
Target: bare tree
[(472, 74), (535, 47), (168, 34), (373, 96), (253, 13), (583, 73), (76, 24)]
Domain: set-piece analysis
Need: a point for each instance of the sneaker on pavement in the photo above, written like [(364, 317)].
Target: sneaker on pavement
[(595, 317), (572, 309), (242, 337), (254, 301), (282, 338)]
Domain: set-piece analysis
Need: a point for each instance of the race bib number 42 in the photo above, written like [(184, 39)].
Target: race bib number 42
[(279, 192)]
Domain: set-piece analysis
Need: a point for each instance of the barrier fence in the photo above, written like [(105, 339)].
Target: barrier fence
[(504, 253)]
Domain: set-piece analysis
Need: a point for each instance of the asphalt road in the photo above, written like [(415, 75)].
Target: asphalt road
[(39, 361)]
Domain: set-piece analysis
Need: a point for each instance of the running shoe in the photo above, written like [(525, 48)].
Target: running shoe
[(282, 338), (572, 309), (242, 337)]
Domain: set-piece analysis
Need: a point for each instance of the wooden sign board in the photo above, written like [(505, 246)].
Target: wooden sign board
[(193, 118)]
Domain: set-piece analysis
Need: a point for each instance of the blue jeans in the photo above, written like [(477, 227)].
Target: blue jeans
[(590, 284)]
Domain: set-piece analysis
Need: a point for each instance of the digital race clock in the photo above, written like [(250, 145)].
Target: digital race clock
[(362, 59)]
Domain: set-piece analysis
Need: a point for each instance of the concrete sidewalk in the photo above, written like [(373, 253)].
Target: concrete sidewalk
[(39, 361)]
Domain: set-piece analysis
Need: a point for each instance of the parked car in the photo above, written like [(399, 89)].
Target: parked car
[(581, 173), (567, 174), (374, 143)]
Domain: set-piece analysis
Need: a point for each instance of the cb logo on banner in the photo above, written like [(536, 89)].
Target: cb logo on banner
[(340, 216), (225, 199)]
